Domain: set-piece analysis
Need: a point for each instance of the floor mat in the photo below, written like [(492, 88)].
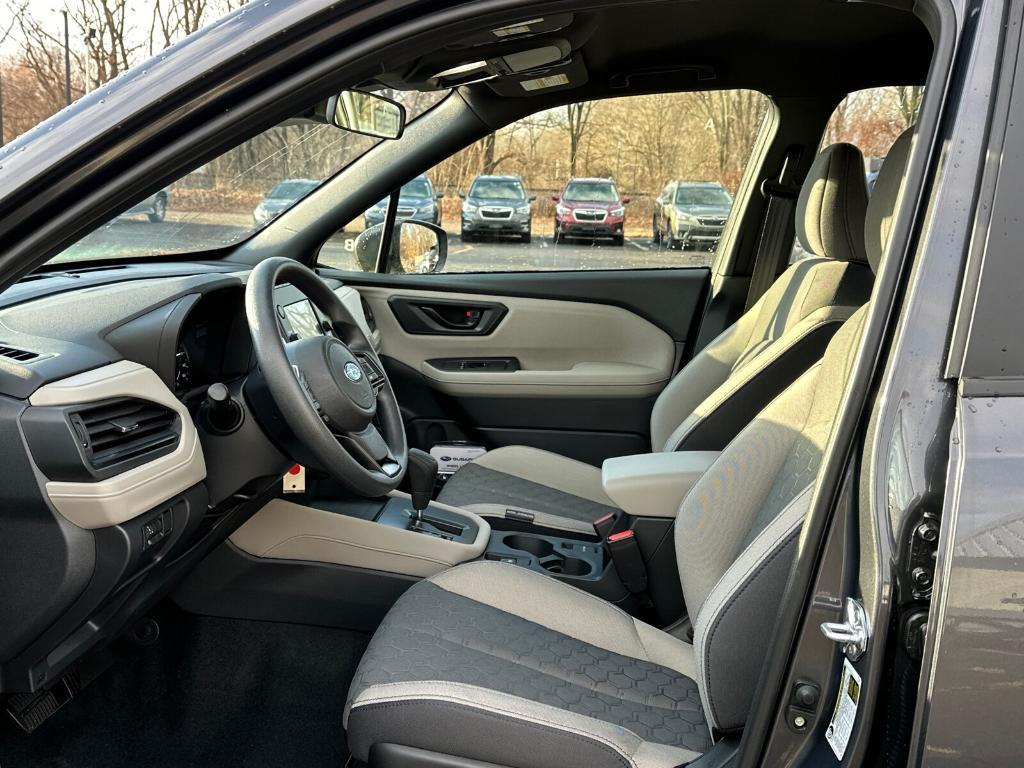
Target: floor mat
[(208, 692)]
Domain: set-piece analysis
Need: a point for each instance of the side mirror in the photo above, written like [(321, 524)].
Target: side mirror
[(531, 198), (556, 198), (625, 200), (439, 197), (417, 248), (366, 113), (462, 195)]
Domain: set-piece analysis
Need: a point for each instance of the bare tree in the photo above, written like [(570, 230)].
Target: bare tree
[(174, 19), (577, 118), (42, 53), (734, 118), (104, 24)]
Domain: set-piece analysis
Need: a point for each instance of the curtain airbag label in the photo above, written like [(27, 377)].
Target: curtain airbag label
[(845, 714)]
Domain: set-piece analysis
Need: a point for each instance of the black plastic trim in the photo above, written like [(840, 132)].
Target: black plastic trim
[(293, 591)]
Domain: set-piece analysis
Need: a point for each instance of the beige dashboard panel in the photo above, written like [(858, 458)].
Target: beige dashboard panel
[(287, 531), (565, 348), (124, 496)]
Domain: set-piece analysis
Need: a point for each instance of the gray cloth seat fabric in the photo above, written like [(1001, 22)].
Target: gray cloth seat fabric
[(718, 393), (496, 663)]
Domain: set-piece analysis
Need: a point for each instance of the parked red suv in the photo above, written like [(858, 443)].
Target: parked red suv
[(590, 208)]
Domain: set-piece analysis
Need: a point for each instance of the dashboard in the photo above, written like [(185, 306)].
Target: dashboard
[(120, 479), (213, 343)]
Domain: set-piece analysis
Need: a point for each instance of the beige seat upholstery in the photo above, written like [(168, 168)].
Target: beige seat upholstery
[(727, 383), (495, 663)]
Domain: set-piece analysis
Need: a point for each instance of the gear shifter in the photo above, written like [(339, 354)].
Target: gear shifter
[(422, 473)]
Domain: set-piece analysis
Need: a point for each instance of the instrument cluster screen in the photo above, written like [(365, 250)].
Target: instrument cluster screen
[(302, 320)]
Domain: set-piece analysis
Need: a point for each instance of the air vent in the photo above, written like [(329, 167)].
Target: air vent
[(125, 430), (20, 355)]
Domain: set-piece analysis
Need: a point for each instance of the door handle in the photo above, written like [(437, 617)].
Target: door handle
[(441, 317), (470, 318)]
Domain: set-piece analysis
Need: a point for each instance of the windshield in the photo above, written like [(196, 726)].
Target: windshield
[(416, 188), (238, 193), (591, 191), (497, 189), (697, 196), (292, 190)]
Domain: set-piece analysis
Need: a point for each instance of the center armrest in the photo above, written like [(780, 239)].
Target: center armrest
[(654, 484)]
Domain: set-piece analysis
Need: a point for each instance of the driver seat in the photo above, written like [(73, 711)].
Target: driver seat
[(498, 664)]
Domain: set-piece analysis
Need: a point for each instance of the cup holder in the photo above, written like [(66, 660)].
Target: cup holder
[(568, 566), (537, 547)]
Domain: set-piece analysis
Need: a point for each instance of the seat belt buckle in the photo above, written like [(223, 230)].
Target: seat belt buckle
[(629, 563), (604, 525)]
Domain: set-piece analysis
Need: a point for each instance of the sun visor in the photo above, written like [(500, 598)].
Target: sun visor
[(537, 25), (569, 74)]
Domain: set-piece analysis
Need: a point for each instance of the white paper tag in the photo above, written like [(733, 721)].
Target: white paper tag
[(845, 714), (451, 456), (519, 28), (544, 82), (294, 480)]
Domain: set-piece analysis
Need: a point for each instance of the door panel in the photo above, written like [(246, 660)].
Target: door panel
[(563, 348), (573, 364)]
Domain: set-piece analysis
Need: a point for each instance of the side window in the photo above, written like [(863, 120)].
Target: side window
[(575, 188), (871, 120)]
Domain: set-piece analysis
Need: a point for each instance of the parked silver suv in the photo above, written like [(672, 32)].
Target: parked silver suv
[(497, 205), (691, 214)]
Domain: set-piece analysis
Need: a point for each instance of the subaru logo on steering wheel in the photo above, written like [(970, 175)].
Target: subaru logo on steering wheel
[(353, 372)]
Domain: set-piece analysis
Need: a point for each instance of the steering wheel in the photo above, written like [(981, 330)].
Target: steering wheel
[(331, 388)]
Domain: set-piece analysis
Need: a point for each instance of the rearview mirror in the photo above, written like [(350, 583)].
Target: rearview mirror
[(417, 248), (366, 113)]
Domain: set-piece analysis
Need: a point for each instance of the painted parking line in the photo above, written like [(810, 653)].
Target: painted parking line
[(637, 245)]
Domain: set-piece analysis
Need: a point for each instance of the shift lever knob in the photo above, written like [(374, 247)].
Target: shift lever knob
[(422, 473)]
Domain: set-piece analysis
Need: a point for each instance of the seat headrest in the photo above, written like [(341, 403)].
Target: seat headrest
[(833, 200), (882, 206)]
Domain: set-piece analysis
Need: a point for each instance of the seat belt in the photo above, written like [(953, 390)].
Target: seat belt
[(781, 194)]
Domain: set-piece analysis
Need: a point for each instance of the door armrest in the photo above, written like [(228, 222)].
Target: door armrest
[(654, 484)]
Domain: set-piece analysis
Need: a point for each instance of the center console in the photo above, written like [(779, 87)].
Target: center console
[(548, 554), (385, 544), (630, 557)]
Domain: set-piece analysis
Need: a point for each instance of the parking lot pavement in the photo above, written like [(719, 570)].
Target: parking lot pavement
[(542, 254), (131, 237)]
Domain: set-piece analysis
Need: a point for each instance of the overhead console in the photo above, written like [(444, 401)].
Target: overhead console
[(516, 58)]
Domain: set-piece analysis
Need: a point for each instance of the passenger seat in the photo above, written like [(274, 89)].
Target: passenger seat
[(729, 382)]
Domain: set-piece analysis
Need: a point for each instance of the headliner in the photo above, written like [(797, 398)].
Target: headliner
[(782, 48)]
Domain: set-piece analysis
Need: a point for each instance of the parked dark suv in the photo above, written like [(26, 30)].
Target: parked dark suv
[(691, 214), (590, 208), (496, 205), (417, 200)]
